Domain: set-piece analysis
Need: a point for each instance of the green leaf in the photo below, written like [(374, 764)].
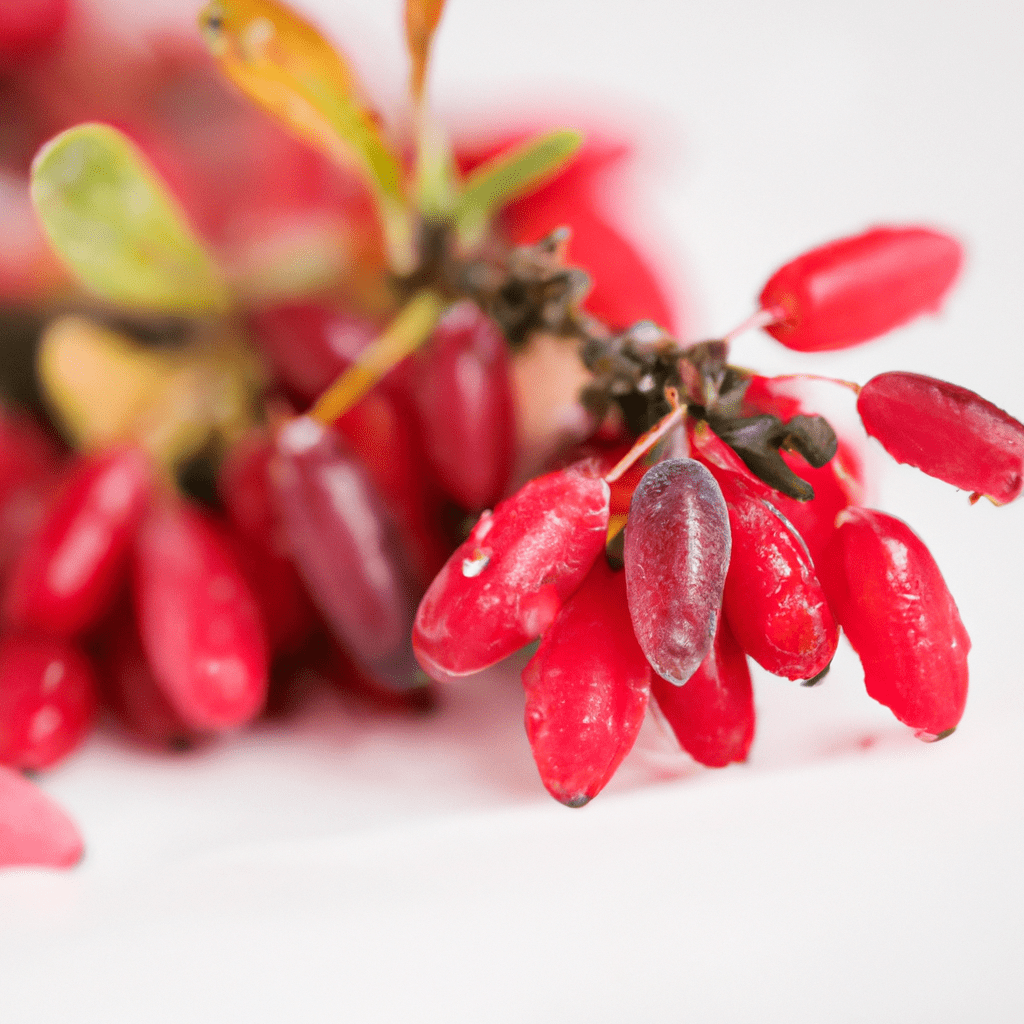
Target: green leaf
[(109, 217), (513, 173), (283, 64)]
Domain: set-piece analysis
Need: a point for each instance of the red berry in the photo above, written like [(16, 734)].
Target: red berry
[(676, 556), (47, 701), (712, 713), (70, 570), (347, 549), (505, 584), (586, 690), (854, 289), (947, 432), (198, 621), (466, 407), (773, 600), (34, 830), (29, 27), (131, 691), (893, 604)]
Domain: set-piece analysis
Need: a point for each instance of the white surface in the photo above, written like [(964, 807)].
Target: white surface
[(345, 868)]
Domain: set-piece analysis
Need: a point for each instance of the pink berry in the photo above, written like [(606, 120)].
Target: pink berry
[(893, 604), (34, 830), (198, 621), (854, 289), (47, 701), (676, 556), (69, 572), (505, 584), (30, 27), (586, 690), (712, 714), (466, 407), (347, 548), (947, 432)]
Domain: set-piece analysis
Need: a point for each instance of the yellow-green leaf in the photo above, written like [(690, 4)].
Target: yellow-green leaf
[(421, 19), (283, 63), (109, 217), (510, 174)]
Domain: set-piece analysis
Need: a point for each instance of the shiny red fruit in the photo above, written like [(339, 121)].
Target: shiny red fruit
[(198, 621), (947, 432), (773, 600), (70, 570), (30, 27), (712, 714), (586, 690), (676, 556), (466, 407), (347, 548), (505, 584), (891, 600), (854, 289), (47, 701), (34, 830)]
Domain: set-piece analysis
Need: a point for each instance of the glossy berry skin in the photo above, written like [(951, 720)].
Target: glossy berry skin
[(34, 830), (894, 606), (855, 289), (947, 432), (30, 27), (347, 548), (198, 622), (712, 713), (676, 556), (773, 600), (466, 407), (505, 584), (47, 701), (586, 690), (130, 690), (72, 566)]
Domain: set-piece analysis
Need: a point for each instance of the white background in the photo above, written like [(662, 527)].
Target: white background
[(347, 868)]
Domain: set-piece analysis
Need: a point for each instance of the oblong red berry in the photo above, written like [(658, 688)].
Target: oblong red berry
[(466, 407), (75, 561), (347, 549), (586, 690), (676, 556), (712, 713), (854, 289), (773, 599), (947, 432), (198, 621), (505, 584), (47, 701), (34, 830), (893, 604)]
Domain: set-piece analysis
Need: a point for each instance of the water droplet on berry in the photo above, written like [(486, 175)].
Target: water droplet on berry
[(476, 564)]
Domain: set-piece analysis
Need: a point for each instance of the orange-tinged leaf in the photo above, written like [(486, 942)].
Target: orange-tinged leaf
[(421, 19), (282, 63)]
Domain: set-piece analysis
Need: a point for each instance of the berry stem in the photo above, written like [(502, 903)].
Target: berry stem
[(648, 440), (404, 335), (762, 318)]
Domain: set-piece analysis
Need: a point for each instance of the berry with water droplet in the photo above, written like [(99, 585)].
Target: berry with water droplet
[(505, 584)]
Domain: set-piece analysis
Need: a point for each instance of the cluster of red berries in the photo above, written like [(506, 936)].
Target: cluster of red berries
[(706, 517)]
